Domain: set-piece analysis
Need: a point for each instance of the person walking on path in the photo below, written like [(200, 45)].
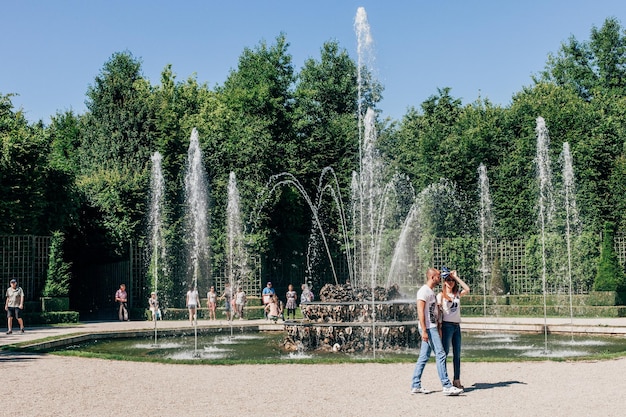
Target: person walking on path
[(14, 305), (450, 301), (121, 297), (428, 314)]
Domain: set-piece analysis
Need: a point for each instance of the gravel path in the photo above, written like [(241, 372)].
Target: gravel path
[(48, 385)]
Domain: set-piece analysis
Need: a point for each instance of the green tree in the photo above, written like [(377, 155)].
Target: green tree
[(326, 123), (23, 173), (117, 135), (326, 117), (596, 71), (617, 185), (63, 136), (245, 127), (420, 136), (597, 64)]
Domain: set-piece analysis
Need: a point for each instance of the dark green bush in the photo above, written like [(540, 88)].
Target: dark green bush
[(53, 317), (610, 276), (59, 275)]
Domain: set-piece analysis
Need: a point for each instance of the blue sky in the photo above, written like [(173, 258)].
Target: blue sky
[(51, 51)]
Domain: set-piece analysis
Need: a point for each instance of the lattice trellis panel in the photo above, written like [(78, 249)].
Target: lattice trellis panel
[(24, 258)]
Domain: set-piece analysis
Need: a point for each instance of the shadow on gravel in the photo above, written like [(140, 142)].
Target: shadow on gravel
[(8, 356), (488, 385)]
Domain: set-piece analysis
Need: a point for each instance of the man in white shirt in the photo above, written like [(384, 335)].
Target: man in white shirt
[(14, 305)]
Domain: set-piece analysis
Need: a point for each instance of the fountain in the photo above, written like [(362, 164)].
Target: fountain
[(486, 228), (157, 251), (361, 314), (545, 205), (196, 193), (216, 347), (236, 255), (346, 316), (571, 215)]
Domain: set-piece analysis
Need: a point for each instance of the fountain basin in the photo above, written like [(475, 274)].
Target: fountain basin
[(218, 346)]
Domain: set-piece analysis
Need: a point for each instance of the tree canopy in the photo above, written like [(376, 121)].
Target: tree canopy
[(87, 175)]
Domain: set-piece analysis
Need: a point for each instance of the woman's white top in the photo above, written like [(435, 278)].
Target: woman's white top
[(451, 308)]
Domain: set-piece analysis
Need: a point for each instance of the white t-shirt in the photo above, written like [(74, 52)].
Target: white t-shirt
[(192, 298), (14, 296), (431, 311), (451, 309)]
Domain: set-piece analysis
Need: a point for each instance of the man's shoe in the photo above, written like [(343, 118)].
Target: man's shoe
[(452, 390), (10, 332), (420, 390)]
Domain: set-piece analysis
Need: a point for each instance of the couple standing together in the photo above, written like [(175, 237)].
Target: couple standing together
[(439, 325)]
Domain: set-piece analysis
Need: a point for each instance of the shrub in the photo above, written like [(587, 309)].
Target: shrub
[(498, 286), (610, 276), (59, 275)]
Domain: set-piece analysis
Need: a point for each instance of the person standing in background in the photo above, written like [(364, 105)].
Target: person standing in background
[(153, 304), (266, 296), (227, 295), (14, 305), (211, 300), (291, 305), (240, 301), (193, 302), (121, 297)]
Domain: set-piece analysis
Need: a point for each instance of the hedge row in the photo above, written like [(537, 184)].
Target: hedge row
[(594, 298)]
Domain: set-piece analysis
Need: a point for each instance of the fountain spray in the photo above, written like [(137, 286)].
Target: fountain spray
[(571, 218), (486, 226), (546, 205), (157, 242), (196, 188)]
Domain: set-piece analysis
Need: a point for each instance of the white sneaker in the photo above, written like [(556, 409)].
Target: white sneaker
[(420, 390), (452, 390)]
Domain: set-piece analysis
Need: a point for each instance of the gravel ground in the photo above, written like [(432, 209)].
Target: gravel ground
[(49, 385)]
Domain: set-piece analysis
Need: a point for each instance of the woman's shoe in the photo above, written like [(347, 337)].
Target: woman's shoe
[(457, 383)]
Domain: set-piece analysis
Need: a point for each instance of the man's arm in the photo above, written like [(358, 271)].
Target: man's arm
[(421, 304)]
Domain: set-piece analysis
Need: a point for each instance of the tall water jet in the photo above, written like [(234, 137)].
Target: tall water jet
[(197, 214), (545, 204), (365, 58), (486, 228), (157, 248), (380, 211), (370, 202), (367, 187), (236, 256), (377, 204), (571, 214)]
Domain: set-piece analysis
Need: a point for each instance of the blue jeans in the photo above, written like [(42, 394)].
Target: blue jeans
[(451, 334), (434, 344)]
